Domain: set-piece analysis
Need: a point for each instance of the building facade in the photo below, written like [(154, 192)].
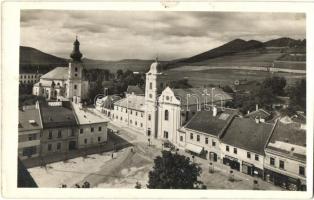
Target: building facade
[(29, 78), (30, 130)]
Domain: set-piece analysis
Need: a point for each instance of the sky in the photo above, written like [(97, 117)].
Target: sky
[(116, 35)]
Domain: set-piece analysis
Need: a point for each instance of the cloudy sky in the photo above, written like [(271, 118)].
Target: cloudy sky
[(115, 35)]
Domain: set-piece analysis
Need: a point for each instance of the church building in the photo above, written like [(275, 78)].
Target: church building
[(65, 83)]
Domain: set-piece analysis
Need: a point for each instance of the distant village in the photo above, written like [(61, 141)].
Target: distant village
[(260, 133)]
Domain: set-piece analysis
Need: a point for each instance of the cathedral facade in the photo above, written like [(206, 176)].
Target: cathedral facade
[(65, 83)]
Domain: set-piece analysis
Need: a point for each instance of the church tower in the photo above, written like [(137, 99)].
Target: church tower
[(152, 89), (75, 88)]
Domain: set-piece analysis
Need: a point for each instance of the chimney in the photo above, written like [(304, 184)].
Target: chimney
[(256, 107), (257, 120), (214, 111)]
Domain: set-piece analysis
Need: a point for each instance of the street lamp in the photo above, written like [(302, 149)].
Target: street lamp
[(231, 176)]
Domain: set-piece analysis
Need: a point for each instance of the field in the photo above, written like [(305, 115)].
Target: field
[(199, 78)]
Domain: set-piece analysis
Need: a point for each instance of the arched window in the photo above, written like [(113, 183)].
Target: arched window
[(166, 115)]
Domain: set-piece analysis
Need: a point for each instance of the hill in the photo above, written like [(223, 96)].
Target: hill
[(32, 59), (239, 52)]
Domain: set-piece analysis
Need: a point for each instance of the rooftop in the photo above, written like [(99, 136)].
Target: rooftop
[(57, 116), (205, 122), (87, 116), (108, 101), (29, 120), (132, 102), (135, 89), (58, 73), (260, 113), (246, 134), (289, 133), (192, 96)]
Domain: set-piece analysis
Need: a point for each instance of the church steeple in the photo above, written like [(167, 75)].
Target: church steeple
[(76, 55)]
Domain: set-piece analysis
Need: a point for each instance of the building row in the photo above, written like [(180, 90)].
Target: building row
[(58, 127)]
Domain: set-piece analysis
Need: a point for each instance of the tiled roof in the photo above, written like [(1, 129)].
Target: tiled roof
[(289, 133), (58, 73), (108, 101), (205, 122), (57, 116), (135, 89), (132, 102), (25, 120), (246, 134), (260, 113), (193, 96)]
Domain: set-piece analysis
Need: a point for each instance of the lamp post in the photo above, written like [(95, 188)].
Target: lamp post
[(231, 176), (211, 168)]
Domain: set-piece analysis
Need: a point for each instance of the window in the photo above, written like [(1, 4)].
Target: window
[(75, 74), (166, 134), (301, 170), (59, 134), (141, 124), (148, 132), (99, 128), (272, 161), (135, 123), (256, 157), (191, 136), (92, 129), (72, 132), (49, 147), (75, 87), (206, 140), (248, 154), (85, 141), (50, 135), (213, 143), (131, 112), (227, 148), (29, 151), (281, 164), (81, 131), (126, 110), (135, 113), (141, 114), (99, 138), (131, 121), (150, 85), (181, 138), (166, 115), (235, 150), (121, 118), (59, 146), (150, 96), (75, 69), (149, 117), (198, 138), (32, 137)]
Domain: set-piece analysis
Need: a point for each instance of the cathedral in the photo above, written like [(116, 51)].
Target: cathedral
[(65, 83)]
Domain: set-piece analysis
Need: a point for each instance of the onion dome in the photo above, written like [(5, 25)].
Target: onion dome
[(76, 55), (155, 67)]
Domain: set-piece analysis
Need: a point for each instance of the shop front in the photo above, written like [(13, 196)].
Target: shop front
[(232, 162), (250, 169), (196, 150), (284, 181)]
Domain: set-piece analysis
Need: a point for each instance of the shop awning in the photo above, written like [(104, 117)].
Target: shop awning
[(194, 148)]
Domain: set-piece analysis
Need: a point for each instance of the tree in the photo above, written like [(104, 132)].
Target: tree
[(227, 89), (174, 171), (297, 94), (276, 84)]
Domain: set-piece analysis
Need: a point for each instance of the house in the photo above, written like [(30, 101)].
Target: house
[(243, 144), (59, 128), (30, 129), (260, 114), (285, 161), (29, 77), (106, 104), (202, 133), (92, 128), (134, 89), (130, 111)]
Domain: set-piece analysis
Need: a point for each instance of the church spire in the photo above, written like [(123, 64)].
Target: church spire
[(76, 55)]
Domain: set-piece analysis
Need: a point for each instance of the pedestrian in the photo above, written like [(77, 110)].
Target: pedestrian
[(112, 156)]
